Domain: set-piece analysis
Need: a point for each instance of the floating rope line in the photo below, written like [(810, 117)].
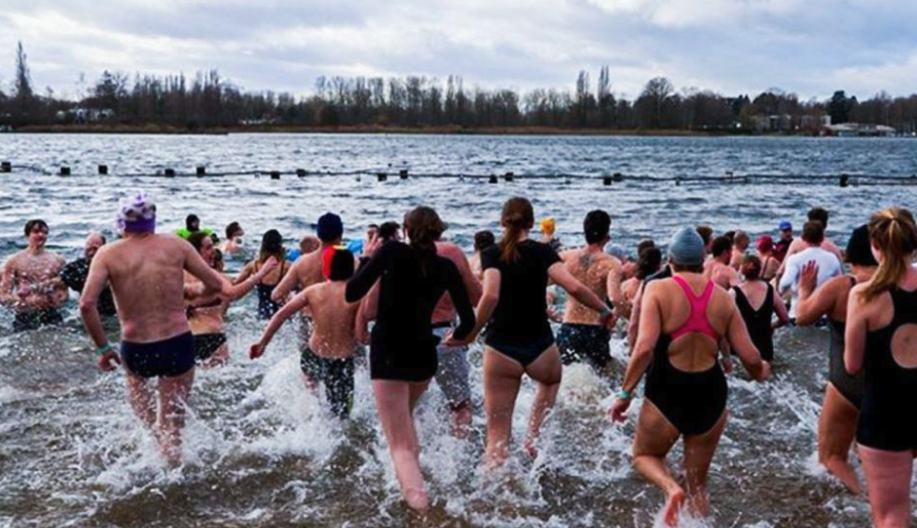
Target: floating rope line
[(382, 175)]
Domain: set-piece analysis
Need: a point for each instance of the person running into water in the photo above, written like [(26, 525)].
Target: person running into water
[(482, 241), (30, 283), (233, 244), (881, 338), (817, 214), (206, 314), (548, 227), (740, 243), (519, 338), (583, 336), (782, 246), (452, 375), (813, 233), (769, 263), (144, 271), (74, 274), (649, 264), (271, 247), (758, 303), (403, 354), (717, 268), (841, 408), (682, 322), (328, 359), (308, 269)]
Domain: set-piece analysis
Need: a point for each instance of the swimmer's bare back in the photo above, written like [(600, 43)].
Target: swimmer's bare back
[(145, 273)]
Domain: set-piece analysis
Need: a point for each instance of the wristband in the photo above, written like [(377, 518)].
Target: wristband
[(606, 311), (625, 395), (104, 349)]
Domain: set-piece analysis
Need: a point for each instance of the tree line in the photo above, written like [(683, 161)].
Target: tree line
[(207, 100)]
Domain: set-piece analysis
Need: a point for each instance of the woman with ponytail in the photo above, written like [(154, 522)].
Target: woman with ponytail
[(519, 339), (881, 338), (412, 278)]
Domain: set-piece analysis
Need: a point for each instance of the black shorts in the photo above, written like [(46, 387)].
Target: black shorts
[(335, 374), (35, 319), (205, 345), (579, 342), (167, 358)]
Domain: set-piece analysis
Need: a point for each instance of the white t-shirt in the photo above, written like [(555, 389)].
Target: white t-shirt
[(828, 266)]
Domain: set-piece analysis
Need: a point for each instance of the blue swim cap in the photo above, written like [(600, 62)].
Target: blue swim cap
[(686, 248)]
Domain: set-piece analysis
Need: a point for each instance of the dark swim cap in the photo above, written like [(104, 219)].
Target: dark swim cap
[(859, 248), (337, 263), (330, 227)]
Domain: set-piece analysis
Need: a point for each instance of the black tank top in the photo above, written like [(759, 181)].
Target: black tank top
[(758, 321), (850, 387), (888, 417)]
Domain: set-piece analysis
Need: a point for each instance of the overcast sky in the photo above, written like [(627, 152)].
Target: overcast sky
[(810, 47)]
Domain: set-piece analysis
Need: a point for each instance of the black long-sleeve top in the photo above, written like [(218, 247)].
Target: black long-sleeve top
[(74, 275), (407, 296)]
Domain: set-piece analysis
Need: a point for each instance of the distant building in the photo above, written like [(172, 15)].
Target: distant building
[(858, 130), (81, 116)]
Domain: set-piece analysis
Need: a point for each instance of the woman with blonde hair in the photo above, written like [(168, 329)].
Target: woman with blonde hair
[(881, 338)]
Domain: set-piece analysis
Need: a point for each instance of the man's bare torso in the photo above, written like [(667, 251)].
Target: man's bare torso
[(333, 320), (147, 281), (35, 280)]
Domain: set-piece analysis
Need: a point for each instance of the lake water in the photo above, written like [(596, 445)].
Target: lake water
[(261, 451)]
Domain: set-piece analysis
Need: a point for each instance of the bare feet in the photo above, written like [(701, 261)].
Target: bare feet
[(673, 503), (417, 500), (530, 449)]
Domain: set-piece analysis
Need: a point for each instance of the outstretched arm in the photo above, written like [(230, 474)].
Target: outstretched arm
[(195, 265), (485, 309), (287, 283), (642, 355), (285, 312), (370, 271)]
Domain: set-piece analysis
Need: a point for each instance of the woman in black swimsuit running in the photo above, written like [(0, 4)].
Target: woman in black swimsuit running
[(271, 246), (682, 321), (519, 339), (757, 303), (881, 337), (412, 279), (844, 392)]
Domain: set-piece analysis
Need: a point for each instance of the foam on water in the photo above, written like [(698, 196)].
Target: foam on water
[(261, 450)]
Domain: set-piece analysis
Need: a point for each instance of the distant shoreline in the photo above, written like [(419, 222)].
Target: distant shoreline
[(374, 129)]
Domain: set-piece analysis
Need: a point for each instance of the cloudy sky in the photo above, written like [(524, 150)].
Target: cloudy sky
[(810, 47)]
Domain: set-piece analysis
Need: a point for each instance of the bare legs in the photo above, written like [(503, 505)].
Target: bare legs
[(173, 396), (395, 402), (502, 378), (836, 431), (654, 439), (888, 477)]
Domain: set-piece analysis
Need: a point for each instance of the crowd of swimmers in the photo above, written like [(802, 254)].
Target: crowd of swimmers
[(419, 302)]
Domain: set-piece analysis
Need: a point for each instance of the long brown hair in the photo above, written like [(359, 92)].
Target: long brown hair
[(894, 232), (424, 227), (517, 217)]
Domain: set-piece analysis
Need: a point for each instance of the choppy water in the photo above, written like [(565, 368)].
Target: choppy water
[(260, 449)]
